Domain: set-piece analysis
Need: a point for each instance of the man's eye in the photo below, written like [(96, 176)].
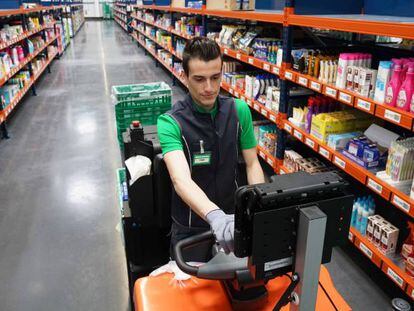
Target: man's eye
[(216, 78)]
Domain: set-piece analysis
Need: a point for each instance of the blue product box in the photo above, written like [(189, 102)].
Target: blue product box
[(46, 2), (10, 4), (162, 2), (147, 2), (389, 7), (304, 7), (194, 4)]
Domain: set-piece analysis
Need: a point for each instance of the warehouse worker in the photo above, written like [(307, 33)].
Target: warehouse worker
[(200, 139)]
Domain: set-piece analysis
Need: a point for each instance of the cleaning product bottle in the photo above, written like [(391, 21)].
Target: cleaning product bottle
[(359, 218), (308, 120), (405, 94), (393, 86), (412, 105), (343, 63), (354, 215), (371, 206), (364, 220)]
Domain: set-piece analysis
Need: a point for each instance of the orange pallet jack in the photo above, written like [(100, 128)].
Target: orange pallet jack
[(284, 230)]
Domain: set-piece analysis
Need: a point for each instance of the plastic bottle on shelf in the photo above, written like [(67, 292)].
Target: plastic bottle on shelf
[(354, 215), (359, 215), (405, 93), (343, 63), (364, 220), (393, 86)]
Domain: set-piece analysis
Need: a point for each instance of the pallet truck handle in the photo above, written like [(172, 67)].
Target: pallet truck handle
[(190, 242)]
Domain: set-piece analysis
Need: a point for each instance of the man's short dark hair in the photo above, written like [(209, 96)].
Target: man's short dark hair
[(202, 48)]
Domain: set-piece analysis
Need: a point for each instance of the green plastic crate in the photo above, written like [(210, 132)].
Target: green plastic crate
[(159, 91), (140, 102)]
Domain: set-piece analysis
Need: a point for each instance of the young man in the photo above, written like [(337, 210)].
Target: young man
[(200, 139)]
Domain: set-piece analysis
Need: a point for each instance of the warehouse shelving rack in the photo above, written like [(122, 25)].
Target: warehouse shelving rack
[(22, 14), (362, 24)]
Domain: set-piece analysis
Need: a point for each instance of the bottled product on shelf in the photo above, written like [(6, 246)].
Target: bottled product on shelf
[(265, 133)]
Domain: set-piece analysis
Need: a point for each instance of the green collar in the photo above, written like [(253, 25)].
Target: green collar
[(213, 111)]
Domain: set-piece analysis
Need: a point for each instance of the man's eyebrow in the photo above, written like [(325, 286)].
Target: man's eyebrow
[(203, 77)]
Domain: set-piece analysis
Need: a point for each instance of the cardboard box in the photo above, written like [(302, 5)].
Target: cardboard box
[(178, 3), (378, 231), (372, 220), (234, 5), (389, 238)]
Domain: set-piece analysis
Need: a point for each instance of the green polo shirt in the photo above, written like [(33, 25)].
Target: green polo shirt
[(169, 132)]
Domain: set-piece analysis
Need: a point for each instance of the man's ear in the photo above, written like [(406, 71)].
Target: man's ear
[(185, 77)]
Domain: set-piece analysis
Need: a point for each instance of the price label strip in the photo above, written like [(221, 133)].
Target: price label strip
[(303, 81), (309, 142), (363, 104), (392, 116), (397, 201), (288, 128), (365, 250), (297, 134), (374, 186), (315, 86), (266, 66), (330, 92), (324, 152), (395, 277), (346, 98), (341, 163)]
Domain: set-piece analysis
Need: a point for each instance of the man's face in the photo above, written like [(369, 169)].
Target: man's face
[(203, 81)]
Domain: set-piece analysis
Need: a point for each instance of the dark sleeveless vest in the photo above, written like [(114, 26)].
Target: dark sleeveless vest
[(217, 138)]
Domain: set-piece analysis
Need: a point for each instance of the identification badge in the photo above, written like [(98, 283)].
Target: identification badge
[(202, 159)]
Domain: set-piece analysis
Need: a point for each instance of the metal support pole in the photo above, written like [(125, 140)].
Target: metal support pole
[(48, 69), (4, 132), (34, 93), (309, 248), (281, 143)]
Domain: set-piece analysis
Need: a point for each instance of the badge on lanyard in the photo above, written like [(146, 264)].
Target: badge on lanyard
[(203, 157)]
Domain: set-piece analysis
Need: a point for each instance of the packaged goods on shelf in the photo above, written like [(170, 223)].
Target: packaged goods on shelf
[(198, 4), (362, 217), (400, 163), (163, 20), (179, 47), (234, 5), (294, 162), (379, 231), (165, 56), (188, 26), (407, 251), (337, 122), (10, 32), (163, 38), (33, 23), (266, 136)]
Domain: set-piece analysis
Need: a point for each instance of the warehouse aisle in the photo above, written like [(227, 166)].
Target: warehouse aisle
[(60, 248), (59, 240)]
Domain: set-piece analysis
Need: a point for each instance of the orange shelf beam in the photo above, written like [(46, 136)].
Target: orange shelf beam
[(276, 18), (358, 25), (393, 268)]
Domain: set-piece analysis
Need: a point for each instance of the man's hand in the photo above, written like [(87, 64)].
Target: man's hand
[(222, 226)]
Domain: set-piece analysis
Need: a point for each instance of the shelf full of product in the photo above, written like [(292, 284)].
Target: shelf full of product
[(27, 48), (74, 18), (335, 95)]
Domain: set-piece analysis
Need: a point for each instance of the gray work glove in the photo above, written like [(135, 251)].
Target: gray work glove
[(222, 226)]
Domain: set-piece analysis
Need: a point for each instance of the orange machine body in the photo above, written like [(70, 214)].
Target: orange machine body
[(161, 293)]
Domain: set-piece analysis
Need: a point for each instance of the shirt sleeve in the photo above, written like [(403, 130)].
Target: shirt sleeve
[(247, 138), (169, 134)]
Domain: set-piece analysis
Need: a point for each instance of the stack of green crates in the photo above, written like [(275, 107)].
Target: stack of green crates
[(140, 102)]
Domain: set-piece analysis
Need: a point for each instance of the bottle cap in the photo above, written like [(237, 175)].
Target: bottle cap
[(136, 123)]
